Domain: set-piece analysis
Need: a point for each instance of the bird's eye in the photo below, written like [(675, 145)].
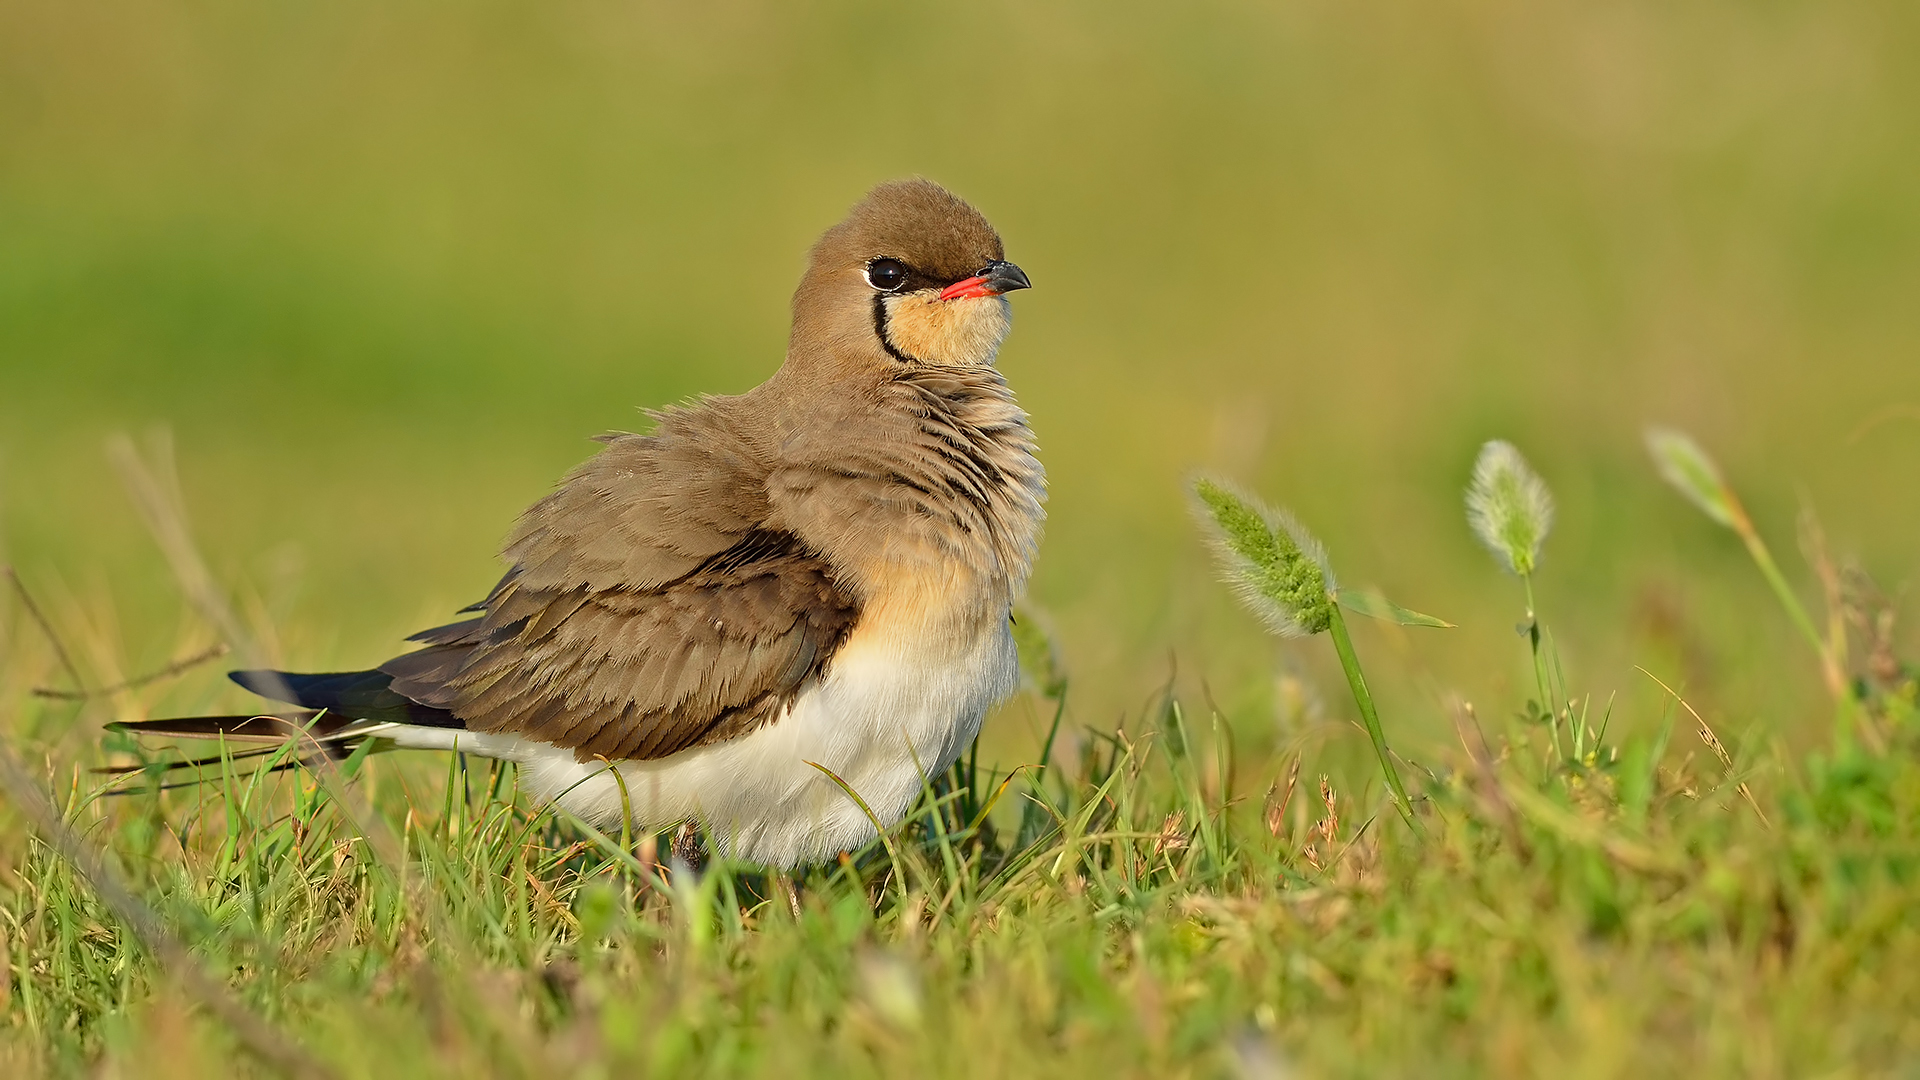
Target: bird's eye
[(887, 275)]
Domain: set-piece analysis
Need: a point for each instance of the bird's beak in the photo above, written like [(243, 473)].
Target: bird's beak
[(992, 280)]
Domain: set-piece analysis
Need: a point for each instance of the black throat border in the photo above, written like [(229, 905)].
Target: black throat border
[(880, 330)]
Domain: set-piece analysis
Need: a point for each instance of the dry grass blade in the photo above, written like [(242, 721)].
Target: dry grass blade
[(1905, 410), (1329, 825), (40, 619), (1714, 744), (1875, 616), (1275, 814), (156, 493), (177, 667), (1327, 829), (1487, 781), (1834, 594), (1172, 835)]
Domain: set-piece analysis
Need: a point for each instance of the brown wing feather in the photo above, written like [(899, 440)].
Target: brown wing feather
[(647, 610), (647, 510)]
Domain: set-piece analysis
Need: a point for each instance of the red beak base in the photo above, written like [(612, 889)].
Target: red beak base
[(968, 288), (995, 278)]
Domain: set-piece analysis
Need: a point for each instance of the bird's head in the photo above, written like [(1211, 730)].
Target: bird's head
[(912, 276)]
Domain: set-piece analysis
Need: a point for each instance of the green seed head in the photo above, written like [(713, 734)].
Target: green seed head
[(1509, 506), (1692, 473), (1278, 569)]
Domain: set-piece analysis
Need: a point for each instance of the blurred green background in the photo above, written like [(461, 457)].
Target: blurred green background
[(382, 267)]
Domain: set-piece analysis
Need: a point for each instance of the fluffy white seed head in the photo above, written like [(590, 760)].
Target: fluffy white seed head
[(1509, 506)]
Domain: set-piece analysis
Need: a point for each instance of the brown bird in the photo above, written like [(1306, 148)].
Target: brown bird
[(820, 570)]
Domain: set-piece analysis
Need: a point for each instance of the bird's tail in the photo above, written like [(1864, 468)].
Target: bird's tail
[(317, 737), (336, 713)]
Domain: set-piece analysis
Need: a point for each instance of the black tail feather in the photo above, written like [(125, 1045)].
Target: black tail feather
[(183, 763), (338, 712), (361, 695), (321, 737), (176, 785), (251, 728), (335, 751)]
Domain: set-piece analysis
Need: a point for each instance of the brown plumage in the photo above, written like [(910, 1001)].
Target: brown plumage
[(686, 588)]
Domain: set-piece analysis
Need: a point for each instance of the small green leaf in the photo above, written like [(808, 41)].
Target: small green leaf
[(1375, 606)]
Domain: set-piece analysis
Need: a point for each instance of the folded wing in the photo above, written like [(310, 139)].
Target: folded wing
[(649, 609)]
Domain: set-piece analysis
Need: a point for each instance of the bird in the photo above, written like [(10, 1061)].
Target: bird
[(722, 621)]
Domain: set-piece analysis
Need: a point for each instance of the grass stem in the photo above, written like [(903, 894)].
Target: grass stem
[(1350, 663), (1831, 669), (1540, 680)]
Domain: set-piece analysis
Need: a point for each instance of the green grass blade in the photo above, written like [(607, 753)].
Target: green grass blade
[(1376, 606), (1370, 716)]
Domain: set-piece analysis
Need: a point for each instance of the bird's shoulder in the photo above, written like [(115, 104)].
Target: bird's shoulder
[(648, 509)]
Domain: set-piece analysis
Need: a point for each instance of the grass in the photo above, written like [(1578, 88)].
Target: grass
[(1607, 906)]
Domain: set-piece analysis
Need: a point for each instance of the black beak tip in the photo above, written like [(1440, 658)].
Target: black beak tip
[(1005, 277)]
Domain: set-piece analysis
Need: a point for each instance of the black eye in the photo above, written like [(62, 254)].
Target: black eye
[(887, 275)]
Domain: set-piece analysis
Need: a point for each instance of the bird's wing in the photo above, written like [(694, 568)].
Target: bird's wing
[(649, 608), (646, 511)]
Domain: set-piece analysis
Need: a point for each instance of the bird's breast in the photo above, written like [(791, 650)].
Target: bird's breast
[(928, 611)]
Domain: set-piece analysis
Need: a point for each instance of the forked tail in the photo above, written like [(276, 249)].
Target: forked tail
[(338, 712)]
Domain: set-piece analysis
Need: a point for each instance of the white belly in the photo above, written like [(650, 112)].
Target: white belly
[(891, 712)]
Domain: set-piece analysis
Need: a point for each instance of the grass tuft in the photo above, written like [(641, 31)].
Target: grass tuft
[(1578, 896)]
